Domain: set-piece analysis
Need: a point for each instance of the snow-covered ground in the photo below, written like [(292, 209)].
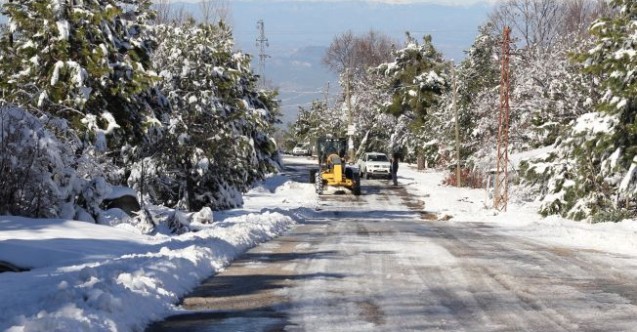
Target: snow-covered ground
[(101, 278), (521, 217)]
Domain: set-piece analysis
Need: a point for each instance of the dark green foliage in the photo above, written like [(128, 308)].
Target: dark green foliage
[(215, 143), (79, 59), (601, 159), (415, 83), (318, 121), (414, 78), (195, 135)]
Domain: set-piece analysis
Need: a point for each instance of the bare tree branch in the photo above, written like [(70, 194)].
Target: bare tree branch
[(180, 16), (542, 22), (214, 11), (163, 11), (358, 53)]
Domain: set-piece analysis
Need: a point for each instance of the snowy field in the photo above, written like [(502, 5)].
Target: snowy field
[(100, 278)]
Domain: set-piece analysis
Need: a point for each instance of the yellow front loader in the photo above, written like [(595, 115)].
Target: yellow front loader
[(333, 170)]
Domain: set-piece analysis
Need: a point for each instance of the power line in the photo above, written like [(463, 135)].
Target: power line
[(262, 43)]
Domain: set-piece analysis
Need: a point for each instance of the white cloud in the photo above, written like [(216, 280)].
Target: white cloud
[(301, 64)]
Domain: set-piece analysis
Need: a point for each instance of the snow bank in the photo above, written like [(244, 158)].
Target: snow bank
[(521, 218), (93, 277)]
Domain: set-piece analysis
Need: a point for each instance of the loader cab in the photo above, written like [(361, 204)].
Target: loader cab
[(332, 168), (327, 146)]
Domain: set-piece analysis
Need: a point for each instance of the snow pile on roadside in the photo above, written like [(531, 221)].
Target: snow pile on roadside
[(521, 218), (94, 277), (460, 203), (619, 238), (281, 192), (105, 289)]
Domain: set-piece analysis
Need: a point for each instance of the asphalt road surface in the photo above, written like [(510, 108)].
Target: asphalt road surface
[(380, 262)]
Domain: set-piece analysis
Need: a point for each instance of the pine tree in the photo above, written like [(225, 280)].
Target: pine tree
[(216, 142), (478, 78), (87, 61), (589, 175), (310, 123), (606, 177), (417, 78)]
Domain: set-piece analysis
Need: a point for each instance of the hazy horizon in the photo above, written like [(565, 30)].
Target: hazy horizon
[(299, 31)]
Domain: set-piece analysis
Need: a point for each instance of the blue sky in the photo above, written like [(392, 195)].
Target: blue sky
[(442, 2), (299, 31)]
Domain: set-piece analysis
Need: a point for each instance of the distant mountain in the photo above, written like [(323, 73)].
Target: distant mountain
[(301, 78), (299, 32), (290, 24)]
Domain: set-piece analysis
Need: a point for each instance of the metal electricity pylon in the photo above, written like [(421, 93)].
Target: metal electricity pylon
[(501, 194), (262, 43)]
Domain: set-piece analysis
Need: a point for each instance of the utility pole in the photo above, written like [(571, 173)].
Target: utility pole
[(455, 111), (350, 126), (501, 194), (262, 43), (327, 94)]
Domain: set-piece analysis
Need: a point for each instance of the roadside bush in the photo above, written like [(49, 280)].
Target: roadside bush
[(32, 170), (470, 178), (45, 170)]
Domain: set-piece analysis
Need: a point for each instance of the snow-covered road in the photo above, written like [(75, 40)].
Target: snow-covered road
[(377, 262)]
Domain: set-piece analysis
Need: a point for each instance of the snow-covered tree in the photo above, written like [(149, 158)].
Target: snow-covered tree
[(216, 140), (414, 77), (606, 178), (477, 81), (590, 175), (44, 170), (370, 97), (547, 92), (86, 61), (417, 78), (317, 121), (79, 72), (195, 135)]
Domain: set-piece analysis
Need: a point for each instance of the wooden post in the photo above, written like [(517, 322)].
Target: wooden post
[(455, 111), (501, 190)]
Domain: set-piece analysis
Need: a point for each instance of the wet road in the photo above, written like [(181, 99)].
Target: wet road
[(380, 262)]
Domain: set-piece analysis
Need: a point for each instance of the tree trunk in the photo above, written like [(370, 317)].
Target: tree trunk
[(420, 161)]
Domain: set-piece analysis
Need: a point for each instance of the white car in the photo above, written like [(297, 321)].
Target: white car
[(302, 150), (374, 164)]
